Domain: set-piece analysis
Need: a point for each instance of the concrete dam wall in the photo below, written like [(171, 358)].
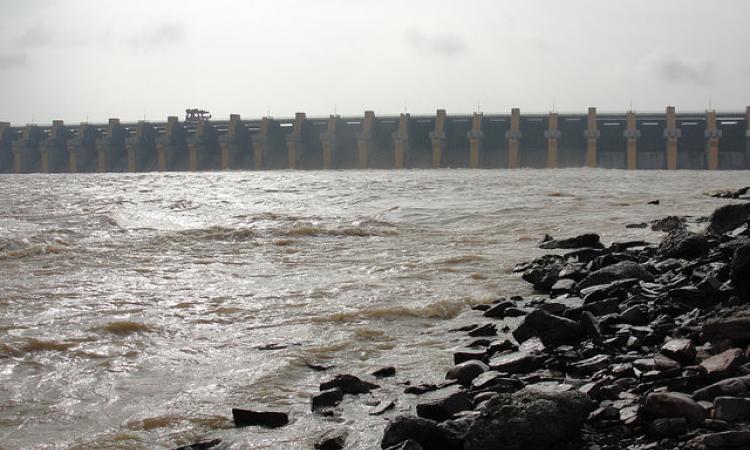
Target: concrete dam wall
[(708, 140)]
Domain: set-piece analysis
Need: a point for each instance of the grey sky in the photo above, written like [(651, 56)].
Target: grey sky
[(73, 59)]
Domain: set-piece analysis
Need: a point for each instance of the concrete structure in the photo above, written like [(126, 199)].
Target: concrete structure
[(667, 140)]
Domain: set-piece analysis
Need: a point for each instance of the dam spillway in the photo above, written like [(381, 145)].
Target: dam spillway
[(668, 140)]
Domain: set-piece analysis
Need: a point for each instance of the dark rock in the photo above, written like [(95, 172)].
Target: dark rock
[(381, 407), (615, 272), (722, 364), (528, 420), (514, 312), (683, 244), (245, 416), (589, 325), (663, 362), (653, 202), (740, 271), (732, 409), (590, 240), (563, 286), (498, 310), (349, 384), (479, 342), (668, 224), (517, 362), (732, 387), (729, 217), (735, 328), (332, 439), (423, 431), (409, 444), (468, 355), (667, 427), (589, 365), (326, 399), (202, 445), (443, 404), (501, 346), (488, 329), (496, 382), (465, 372), (385, 372), (552, 330), (680, 350), (660, 405), (722, 440), (420, 389), (637, 225), (636, 315)]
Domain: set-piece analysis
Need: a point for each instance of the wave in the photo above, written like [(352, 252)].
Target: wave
[(125, 327), (443, 309)]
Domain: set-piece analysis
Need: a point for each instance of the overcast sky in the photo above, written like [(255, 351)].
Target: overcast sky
[(79, 59)]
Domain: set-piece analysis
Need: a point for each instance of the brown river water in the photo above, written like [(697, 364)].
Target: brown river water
[(137, 309)]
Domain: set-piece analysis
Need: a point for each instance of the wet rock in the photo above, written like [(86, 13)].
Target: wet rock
[(667, 427), (465, 372), (722, 440), (381, 407), (409, 444), (488, 329), (590, 240), (424, 432), (443, 404), (385, 372), (517, 362), (729, 217), (722, 364), (498, 310), (680, 350), (552, 330), (202, 445), (514, 312), (455, 430), (349, 384), (589, 365), (683, 244), (326, 399), (496, 382), (732, 387), (740, 271), (660, 405), (332, 439), (616, 272), (564, 286), (589, 325), (732, 409), (637, 225), (420, 389), (636, 315), (528, 420), (468, 355), (269, 418), (668, 224), (735, 328)]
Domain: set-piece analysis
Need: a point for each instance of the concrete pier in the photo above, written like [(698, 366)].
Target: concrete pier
[(667, 140)]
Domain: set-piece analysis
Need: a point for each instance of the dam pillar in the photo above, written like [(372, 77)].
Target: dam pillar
[(140, 146), (553, 135), (437, 136), (401, 142), (170, 144), (328, 141), (6, 147), (592, 134), (366, 140), (26, 155), (53, 147), (514, 136), (233, 144), (747, 137), (475, 141), (260, 144), (294, 142), (82, 149), (713, 134), (631, 135), (671, 134), (110, 148)]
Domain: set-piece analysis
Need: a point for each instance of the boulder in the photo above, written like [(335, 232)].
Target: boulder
[(465, 372), (668, 224), (740, 271), (498, 310), (589, 325), (269, 418), (443, 404), (588, 240), (683, 244), (732, 409), (425, 432), (349, 384), (732, 387), (667, 428), (528, 420), (735, 328), (659, 405), (615, 272), (552, 330), (722, 364), (729, 217), (723, 440)]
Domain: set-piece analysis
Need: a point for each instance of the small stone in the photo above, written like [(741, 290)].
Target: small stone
[(672, 404), (385, 372), (589, 325), (468, 355), (326, 399), (589, 240), (662, 362), (381, 407), (722, 364), (424, 432), (496, 382), (667, 428), (349, 384), (420, 389), (202, 445), (488, 329), (636, 315), (332, 439), (680, 350), (517, 362), (563, 286), (552, 330), (465, 372), (246, 416), (590, 365), (498, 310)]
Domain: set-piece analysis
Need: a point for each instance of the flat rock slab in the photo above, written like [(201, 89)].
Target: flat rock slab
[(349, 384), (517, 362), (247, 416), (659, 405), (442, 404)]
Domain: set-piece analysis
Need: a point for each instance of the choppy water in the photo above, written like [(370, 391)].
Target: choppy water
[(134, 308)]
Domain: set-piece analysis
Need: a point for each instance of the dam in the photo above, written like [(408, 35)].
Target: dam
[(668, 140)]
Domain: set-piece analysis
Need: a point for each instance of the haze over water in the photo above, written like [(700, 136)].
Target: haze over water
[(136, 310)]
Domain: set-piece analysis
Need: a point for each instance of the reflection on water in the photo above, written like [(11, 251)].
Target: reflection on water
[(136, 310)]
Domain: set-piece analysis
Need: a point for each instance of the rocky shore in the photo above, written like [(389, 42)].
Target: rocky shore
[(631, 345)]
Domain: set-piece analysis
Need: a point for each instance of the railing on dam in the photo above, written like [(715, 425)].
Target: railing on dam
[(631, 140)]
